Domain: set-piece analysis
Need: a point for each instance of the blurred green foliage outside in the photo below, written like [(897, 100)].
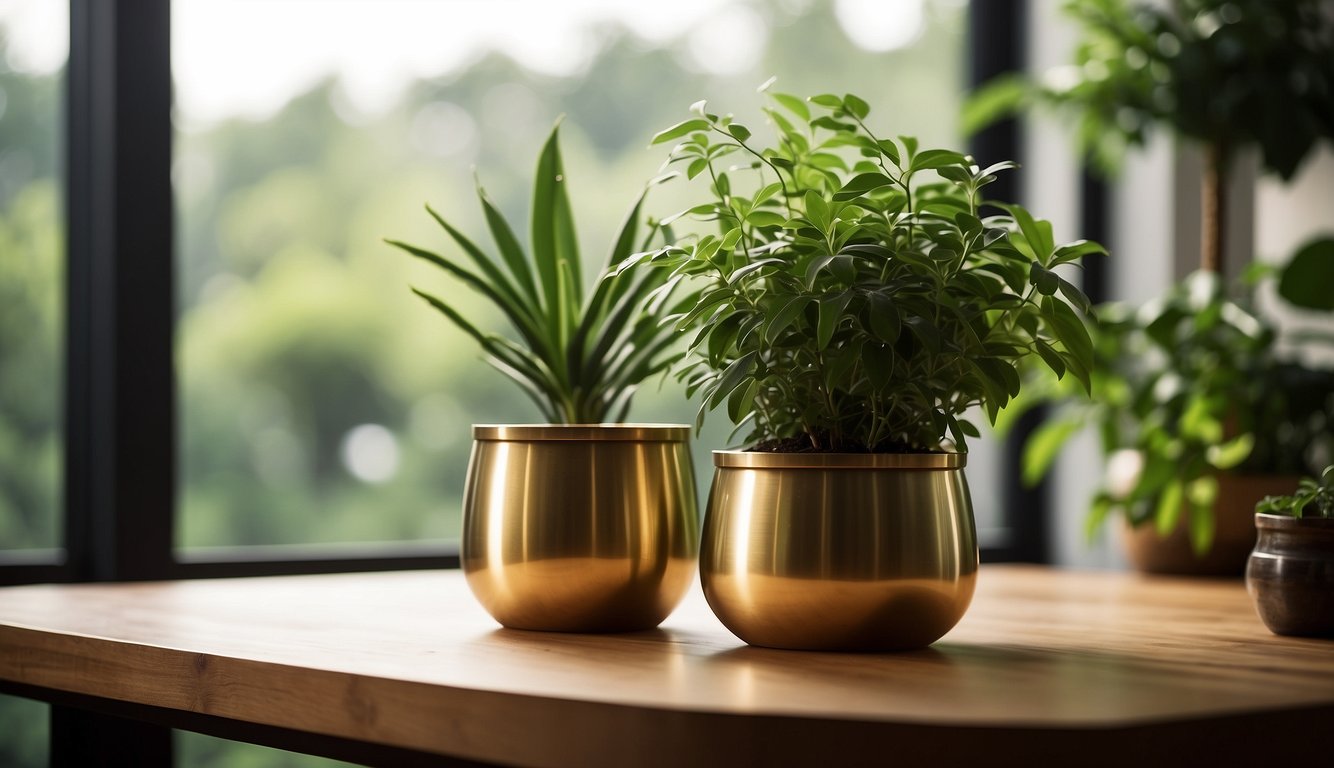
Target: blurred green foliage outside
[(296, 329)]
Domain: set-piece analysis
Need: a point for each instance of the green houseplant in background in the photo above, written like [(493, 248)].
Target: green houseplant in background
[(1291, 573), (576, 525), (856, 300), (1226, 75), (1197, 406), (1230, 76)]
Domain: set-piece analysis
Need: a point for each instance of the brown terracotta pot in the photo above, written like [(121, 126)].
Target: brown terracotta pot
[(1291, 575), (1234, 532)]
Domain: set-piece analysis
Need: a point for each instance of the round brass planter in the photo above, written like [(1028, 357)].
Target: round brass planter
[(862, 552), (581, 528), (1290, 575)]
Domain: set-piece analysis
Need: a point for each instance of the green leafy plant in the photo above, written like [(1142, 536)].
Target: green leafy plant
[(858, 295), (1227, 74), (1194, 384), (1314, 498), (579, 359)]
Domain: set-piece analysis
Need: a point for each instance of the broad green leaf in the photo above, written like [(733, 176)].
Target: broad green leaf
[(1076, 251), (861, 184), (1308, 279), (1201, 495), (794, 105), (1073, 294), (741, 401), (925, 332), (1038, 237), (827, 100), (1069, 330), (731, 378), (856, 106), (1098, 511), (1233, 452), (782, 319), (830, 124), (817, 210), (1050, 357), (935, 158), (1043, 279), (1044, 445), (739, 131), (765, 219), (884, 318), (754, 266), (890, 150), (831, 312), (1167, 513), (680, 129)]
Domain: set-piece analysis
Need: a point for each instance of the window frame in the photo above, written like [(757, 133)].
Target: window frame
[(119, 388)]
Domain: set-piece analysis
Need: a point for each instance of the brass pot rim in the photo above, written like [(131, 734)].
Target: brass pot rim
[(773, 460), (639, 433)]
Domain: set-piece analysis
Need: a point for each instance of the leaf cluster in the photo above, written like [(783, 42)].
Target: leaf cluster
[(579, 358), (1228, 73), (1314, 498), (857, 293), (1195, 385)]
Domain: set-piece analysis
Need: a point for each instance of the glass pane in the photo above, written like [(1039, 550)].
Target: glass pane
[(24, 738), (319, 400), (195, 750), (34, 40)]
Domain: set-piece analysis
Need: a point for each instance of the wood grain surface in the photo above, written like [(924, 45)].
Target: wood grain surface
[(1045, 664)]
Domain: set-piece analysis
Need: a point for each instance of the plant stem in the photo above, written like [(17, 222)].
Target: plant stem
[(1213, 207)]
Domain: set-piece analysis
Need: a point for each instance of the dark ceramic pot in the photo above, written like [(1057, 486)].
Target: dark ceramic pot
[(1291, 575)]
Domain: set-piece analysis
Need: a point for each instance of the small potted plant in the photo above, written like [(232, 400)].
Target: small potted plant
[(579, 524), (851, 312), (1291, 573)]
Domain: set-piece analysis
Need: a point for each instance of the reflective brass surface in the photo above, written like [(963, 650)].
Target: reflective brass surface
[(831, 558), (584, 528)]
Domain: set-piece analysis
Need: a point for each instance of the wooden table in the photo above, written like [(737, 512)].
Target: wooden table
[(1047, 665)]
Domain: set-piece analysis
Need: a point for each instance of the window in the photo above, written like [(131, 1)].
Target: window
[(33, 40), (312, 401), (318, 401)]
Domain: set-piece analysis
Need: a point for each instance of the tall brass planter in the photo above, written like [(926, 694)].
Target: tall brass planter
[(580, 528), (839, 551)]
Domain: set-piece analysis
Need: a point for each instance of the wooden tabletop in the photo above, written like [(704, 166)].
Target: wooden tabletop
[(1045, 663)]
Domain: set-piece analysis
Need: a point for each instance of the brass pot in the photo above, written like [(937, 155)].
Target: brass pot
[(839, 551), (580, 528), (1291, 575)]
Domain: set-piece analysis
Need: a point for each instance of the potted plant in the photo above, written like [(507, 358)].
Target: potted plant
[(575, 525), (1291, 573), (850, 313), (1203, 408), (1229, 76)]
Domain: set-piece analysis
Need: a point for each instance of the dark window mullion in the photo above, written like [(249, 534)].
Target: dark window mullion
[(997, 37), (119, 393)]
